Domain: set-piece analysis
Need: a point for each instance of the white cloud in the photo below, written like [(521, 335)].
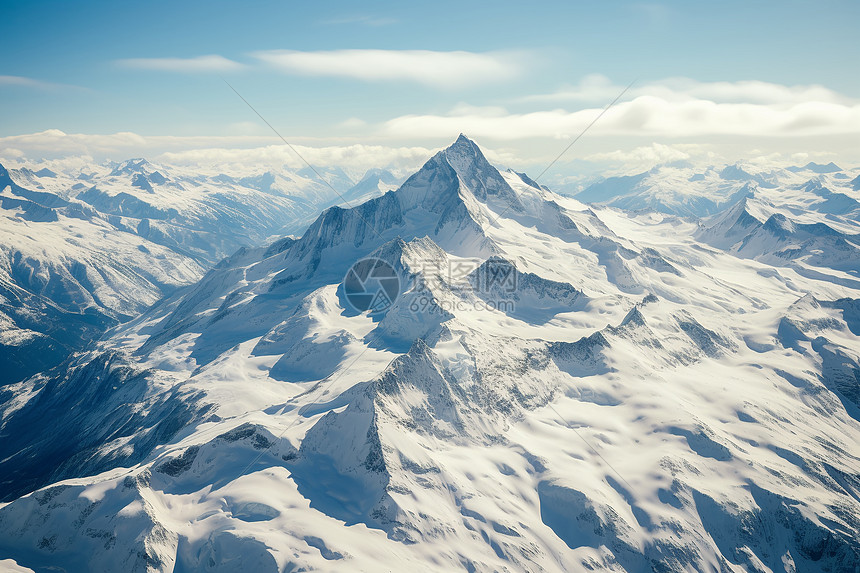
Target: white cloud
[(31, 83), (357, 157), (593, 87), (599, 88), (54, 142), (739, 119), (210, 63), (21, 81), (647, 155), (439, 69), (643, 116), (754, 92), (11, 152), (240, 152), (235, 153)]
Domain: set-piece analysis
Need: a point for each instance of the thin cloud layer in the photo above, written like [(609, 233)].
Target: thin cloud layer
[(599, 88), (210, 63), (356, 157), (644, 157), (54, 142), (438, 69), (32, 83), (643, 116), (21, 81), (239, 152)]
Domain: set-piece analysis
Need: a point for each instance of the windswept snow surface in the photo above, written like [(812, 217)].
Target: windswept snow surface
[(557, 387)]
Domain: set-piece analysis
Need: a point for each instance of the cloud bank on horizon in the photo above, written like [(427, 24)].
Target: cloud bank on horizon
[(678, 114)]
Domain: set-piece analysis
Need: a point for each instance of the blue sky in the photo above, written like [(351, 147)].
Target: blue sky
[(728, 77)]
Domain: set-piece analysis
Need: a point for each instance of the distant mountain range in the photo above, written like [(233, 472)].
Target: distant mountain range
[(684, 190), (82, 251)]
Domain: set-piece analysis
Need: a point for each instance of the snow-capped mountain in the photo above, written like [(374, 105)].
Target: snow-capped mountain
[(754, 229), (82, 250), (375, 182), (336, 177), (684, 190), (553, 387)]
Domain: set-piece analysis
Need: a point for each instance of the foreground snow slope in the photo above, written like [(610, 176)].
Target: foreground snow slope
[(642, 398)]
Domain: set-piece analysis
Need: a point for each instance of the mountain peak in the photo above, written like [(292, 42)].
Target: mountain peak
[(734, 173), (780, 225), (129, 166), (464, 147), (822, 168), (482, 179), (377, 174)]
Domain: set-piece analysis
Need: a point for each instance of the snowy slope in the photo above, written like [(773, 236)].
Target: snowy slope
[(811, 244), (84, 249), (636, 400)]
